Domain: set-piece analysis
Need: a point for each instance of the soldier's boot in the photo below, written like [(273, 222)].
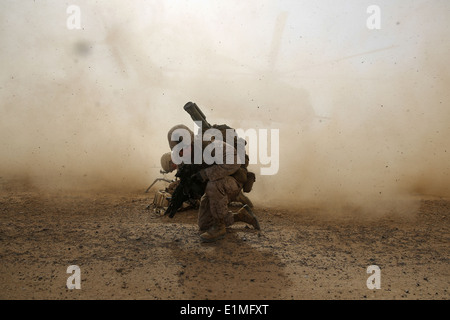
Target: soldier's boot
[(245, 214), (242, 198), (216, 232)]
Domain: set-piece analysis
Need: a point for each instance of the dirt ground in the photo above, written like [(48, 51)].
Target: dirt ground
[(127, 252)]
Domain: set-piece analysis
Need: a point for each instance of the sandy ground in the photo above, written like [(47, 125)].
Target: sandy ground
[(127, 252)]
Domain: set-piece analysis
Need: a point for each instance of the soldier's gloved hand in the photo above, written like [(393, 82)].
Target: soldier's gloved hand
[(200, 176)]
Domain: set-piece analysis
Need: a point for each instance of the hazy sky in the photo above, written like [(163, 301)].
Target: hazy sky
[(97, 101)]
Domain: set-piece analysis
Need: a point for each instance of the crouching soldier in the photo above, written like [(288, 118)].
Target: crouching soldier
[(222, 186)]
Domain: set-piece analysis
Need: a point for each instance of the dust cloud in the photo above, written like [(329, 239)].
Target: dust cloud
[(363, 114)]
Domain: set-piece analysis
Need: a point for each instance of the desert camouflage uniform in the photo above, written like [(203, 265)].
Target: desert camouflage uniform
[(220, 190)]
